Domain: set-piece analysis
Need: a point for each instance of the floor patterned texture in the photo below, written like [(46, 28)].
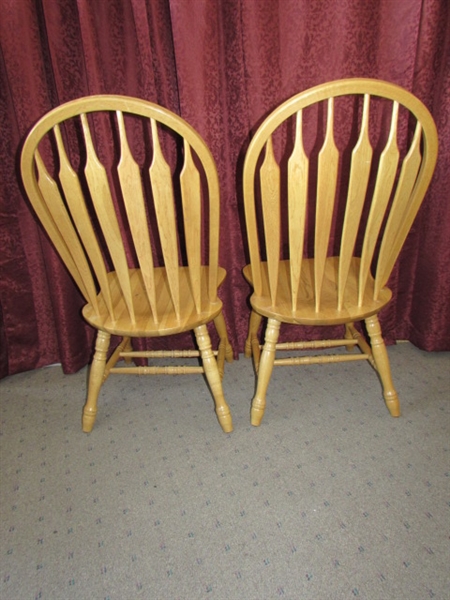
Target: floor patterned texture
[(329, 498)]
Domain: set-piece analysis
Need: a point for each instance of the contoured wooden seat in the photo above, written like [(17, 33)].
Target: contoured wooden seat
[(333, 179), (128, 193)]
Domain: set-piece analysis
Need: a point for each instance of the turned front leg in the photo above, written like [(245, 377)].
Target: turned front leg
[(252, 342), (225, 350)]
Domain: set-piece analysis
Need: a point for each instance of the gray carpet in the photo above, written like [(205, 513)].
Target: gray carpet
[(330, 498)]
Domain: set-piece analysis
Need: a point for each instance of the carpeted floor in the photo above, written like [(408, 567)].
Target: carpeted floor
[(330, 498)]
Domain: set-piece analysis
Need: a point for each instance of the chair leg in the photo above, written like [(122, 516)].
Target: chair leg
[(252, 342), (349, 336), (124, 346), (265, 371), (225, 348), (96, 378), (381, 358), (128, 348), (213, 376)]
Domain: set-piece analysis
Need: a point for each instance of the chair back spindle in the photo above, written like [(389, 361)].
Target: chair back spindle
[(162, 187), (326, 194), (359, 179), (102, 200), (133, 196), (298, 196)]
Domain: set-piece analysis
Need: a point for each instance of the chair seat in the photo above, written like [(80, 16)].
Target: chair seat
[(306, 313), (145, 325)]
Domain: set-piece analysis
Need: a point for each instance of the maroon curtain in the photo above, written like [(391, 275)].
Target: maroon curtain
[(222, 65)]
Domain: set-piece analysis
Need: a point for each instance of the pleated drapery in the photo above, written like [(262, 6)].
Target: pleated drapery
[(222, 65)]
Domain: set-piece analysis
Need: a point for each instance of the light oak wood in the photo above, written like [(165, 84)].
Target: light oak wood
[(298, 196), (345, 279), (265, 371), (134, 201), (359, 179), (326, 194), (140, 276), (270, 200)]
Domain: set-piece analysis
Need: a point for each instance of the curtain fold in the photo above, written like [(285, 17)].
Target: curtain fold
[(222, 66)]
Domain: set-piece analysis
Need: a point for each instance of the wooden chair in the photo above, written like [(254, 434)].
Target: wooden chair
[(137, 228), (333, 179)]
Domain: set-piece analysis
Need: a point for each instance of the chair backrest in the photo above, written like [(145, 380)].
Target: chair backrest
[(111, 200), (338, 170)]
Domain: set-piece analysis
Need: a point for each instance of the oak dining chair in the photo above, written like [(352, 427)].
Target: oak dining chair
[(332, 181), (128, 193)]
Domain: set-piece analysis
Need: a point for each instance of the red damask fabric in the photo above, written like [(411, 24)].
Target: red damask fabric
[(222, 66)]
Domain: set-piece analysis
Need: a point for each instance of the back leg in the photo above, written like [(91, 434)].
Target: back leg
[(381, 359), (213, 376), (96, 378), (265, 371)]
